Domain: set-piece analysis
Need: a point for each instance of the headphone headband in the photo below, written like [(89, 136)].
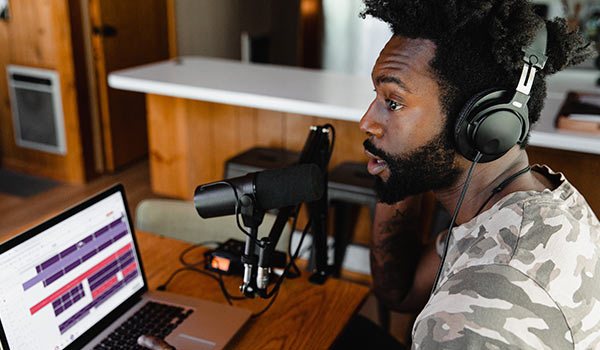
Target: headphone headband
[(493, 121), (535, 53)]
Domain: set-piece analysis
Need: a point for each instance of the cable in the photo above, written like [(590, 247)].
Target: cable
[(266, 307), (292, 260), (503, 184), (189, 249), (188, 266), (218, 278), (495, 191), (296, 272), (332, 132), (458, 205), (181, 269), (275, 291), (228, 296)]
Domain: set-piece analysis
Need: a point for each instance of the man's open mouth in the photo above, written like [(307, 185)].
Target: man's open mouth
[(376, 165)]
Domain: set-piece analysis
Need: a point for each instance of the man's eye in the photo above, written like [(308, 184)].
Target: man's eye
[(394, 106)]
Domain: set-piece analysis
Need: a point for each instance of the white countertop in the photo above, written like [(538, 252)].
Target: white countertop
[(287, 89), (320, 93)]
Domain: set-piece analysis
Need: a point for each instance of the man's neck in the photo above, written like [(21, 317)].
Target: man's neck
[(486, 177)]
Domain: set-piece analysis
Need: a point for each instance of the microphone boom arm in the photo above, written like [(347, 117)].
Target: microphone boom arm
[(316, 150)]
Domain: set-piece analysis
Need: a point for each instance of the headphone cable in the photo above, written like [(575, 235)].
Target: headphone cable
[(503, 184), (495, 191), (458, 205)]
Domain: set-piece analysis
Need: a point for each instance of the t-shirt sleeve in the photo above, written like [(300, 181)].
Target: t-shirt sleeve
[(491, 307)]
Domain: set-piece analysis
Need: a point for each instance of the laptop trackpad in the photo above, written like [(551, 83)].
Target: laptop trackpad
[(185, 341), (210, 326)]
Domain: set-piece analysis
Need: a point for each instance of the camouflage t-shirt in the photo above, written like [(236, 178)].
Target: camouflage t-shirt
[(524, 274)]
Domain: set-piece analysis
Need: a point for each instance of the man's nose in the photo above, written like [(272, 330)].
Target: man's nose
[(369, 124)]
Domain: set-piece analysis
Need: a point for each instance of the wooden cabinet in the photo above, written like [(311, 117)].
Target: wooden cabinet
[(58, 35)]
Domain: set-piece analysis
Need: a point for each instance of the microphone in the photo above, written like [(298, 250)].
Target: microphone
[(272, 189)]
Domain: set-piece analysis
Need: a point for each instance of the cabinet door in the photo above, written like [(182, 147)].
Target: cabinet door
[(125, 33)]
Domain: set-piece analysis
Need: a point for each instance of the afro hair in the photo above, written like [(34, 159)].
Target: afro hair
[(478, 44)]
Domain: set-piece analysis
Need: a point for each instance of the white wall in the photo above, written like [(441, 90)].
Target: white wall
[(555, 7), (351, 44)]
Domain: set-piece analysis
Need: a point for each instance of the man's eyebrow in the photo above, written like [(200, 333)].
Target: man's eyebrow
[(389, 79)]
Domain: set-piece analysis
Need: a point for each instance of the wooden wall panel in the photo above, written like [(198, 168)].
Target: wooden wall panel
[(226, 134), (297, 128), (201, 141), (216, 132), (269, 128), (167, 133), (247, 125), (348, 142), (33, 34), (39, 35)]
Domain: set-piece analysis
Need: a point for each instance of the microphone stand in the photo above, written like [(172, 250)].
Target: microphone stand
[(316, 150), (257, 269), (252, 217)]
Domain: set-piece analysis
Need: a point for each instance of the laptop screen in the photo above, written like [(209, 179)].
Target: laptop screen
[(62, 277)]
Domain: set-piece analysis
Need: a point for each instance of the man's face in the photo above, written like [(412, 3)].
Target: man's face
[(409, 145)]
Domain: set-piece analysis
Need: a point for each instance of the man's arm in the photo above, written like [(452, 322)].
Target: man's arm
[(402, 268)]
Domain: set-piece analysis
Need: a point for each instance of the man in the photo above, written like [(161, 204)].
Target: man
[(522, 269)]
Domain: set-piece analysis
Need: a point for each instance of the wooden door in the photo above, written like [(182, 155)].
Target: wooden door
[(125, 33)]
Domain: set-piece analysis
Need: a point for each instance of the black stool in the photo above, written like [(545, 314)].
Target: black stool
[(257, 159), (349, 187)]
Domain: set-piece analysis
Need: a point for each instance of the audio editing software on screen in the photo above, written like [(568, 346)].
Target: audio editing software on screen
[(68, 277)]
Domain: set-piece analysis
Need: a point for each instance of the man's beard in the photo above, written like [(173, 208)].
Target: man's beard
[(429, 167)]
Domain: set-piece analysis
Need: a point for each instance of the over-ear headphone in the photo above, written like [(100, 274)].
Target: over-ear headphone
[(493, 121)]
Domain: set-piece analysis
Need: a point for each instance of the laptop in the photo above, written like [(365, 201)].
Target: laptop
[(73, 280)]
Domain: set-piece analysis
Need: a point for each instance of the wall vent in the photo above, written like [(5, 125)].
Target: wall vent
[(37, 109)]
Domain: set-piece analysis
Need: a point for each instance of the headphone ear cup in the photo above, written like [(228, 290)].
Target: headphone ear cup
[(465, 143), (491, 125)]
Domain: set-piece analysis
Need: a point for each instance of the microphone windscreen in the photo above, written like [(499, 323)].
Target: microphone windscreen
[(279, 188)]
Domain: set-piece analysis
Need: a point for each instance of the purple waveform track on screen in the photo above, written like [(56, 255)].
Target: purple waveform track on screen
[(73, 248), (63, 327), (85, 252), (69, 298), (111, 270)]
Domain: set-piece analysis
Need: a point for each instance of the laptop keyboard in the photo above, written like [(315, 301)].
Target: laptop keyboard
[(153, 318)]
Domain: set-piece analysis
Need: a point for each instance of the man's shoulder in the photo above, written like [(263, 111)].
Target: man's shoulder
[(491, 306), (525, 272)]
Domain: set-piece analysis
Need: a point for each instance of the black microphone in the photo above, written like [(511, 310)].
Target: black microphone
[(273, 188)]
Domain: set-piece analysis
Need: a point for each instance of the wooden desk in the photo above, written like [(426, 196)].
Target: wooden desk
[(304, 316)]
